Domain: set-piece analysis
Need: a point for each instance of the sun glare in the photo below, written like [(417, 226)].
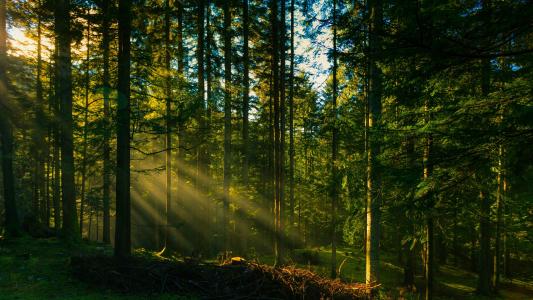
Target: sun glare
[(20, 44)]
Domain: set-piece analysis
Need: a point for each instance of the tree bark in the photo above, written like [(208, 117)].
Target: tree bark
[(373, 206), (292, 162), (85, 126), (70, 229), (227, 122), (168, 126), (484, 269), (430, 235), (6, 134), (106, 20), (123, 222), (334, 151), (246, 92)]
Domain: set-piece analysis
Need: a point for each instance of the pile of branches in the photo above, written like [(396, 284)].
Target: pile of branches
[(246, 280)]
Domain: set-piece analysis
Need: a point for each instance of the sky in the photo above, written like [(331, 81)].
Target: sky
[(313, 52)]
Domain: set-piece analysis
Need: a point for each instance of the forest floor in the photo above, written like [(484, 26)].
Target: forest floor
[(40, 269)]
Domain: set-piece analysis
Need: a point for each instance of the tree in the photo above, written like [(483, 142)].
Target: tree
[(6, 133), (123, 222), (70, 229), (246, 91), (373, 202), (106, 23), (334, 150), (168, 127), (227, 121)]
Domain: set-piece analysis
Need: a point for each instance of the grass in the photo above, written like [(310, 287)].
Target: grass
[(39, 269)]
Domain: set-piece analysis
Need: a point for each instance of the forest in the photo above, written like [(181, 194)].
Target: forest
[(266, 149)]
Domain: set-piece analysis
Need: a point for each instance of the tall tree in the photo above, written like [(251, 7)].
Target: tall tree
[(430, 236), (334, 150), (106, 23), (227, 120), (373, 201), (484, 266), (168, 127), (123, 222), (278, 256), (85, 123), (292, 150), (6, 132), (246, 90), (64, 94)]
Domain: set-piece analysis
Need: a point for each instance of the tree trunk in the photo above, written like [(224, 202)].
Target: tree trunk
[(429, 266), (278, 256), (373, 206), (227, 121), (41, 148), (334, 151), (106, 236), (70, 229), (246, 92), (123, 222), (168, 133), (85, 126), (484, 269), (291, 133), (6, 134), (499, 212)]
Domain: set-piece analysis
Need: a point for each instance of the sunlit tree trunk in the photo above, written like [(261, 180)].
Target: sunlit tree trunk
[(180, 180), (85, 126), (227, 121), (168, 131), (123, 222), (278, 255), (291, 133), (6, 134), (40, 130), (373, 206), (201, 146), (246, 92), (334, 150), (70, 229), (106, 236)]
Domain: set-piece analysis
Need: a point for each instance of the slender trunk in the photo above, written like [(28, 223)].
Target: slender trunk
[(506, 212), (90, 225), (70, 229), (291, 131), (123, 222), (209, 109), (430, 236), (200, 116), (499, 212), (282, 117), (227, 120), (334, 151), (106, 236), (373, 207), (40, 130), (246, 93), (484, 273), (85, 127), (6, 134), (181, 126), (168, 135), (277, 137)]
